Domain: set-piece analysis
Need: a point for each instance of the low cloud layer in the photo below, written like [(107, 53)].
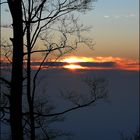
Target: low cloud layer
[(93, 63), (89, 63)]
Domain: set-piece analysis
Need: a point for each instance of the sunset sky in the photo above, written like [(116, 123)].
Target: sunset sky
[(77, 90), (115, 31)]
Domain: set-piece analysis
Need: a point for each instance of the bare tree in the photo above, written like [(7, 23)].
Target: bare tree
[(55, 24), (41, 22)]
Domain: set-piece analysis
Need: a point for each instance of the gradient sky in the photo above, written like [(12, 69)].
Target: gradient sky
[(115, 29)]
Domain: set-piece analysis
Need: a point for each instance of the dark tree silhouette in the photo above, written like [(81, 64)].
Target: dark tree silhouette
[(40, 20), (17, 70), (45, 21)]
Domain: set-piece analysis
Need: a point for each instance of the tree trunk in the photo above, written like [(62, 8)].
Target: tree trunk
[(29, 96), (17, 71)]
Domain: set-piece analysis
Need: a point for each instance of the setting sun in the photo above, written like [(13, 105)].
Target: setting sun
[(73, 67), (73, 63), (73, 60)]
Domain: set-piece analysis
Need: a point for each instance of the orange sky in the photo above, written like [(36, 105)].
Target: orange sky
[(97, 63), (115, 32), (74, 62), (120, 63)]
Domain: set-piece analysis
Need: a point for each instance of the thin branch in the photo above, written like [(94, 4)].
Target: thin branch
[(39, 7), (48, 50), (4, 2), (36, 74), (35, 35), (24, 10), (41, 28), (65, 111), (44, 131), (5, 81), (68, 110)]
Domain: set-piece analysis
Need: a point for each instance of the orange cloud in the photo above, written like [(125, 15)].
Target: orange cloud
[(90, 59), (89, 63), (119, 63)]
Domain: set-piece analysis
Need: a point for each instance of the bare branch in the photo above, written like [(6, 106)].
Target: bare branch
[(36, 74), (5, 81), (63, 112), (4, 2)]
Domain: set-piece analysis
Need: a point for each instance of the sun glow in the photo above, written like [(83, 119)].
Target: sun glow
[(73, 66), (74, 59), (118, 63), (90, 63), (73, 63)]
